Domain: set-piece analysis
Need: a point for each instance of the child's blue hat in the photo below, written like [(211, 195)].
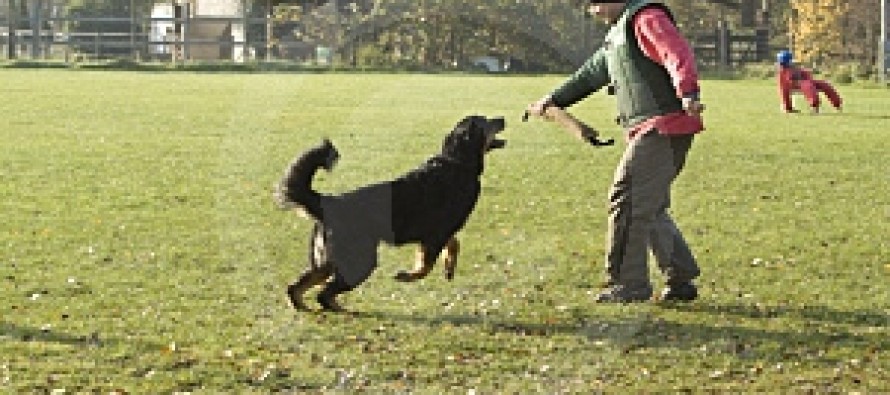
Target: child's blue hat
[(784, 57)]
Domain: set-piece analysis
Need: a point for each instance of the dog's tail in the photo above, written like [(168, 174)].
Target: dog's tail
[(295, 189)]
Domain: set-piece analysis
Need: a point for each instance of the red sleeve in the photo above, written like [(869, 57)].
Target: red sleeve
[(662, 42), (804, 74)]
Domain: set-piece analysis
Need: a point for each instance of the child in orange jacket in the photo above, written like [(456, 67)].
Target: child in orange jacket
[(793, 78)]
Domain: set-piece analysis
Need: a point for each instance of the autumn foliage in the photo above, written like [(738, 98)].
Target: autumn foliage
[(826, 32)]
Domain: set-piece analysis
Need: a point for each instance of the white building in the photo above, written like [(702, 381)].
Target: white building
[(209, 30)]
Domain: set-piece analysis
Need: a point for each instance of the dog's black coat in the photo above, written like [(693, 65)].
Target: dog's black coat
[(427, 206)]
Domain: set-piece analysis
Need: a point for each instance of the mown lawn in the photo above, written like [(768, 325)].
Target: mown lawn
[(142, 252)]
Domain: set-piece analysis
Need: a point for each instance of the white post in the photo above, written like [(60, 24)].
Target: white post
[(245, 47), (186, 30), (133, 52), (36, 44), (12, 22), (885, 39), (269, 30)]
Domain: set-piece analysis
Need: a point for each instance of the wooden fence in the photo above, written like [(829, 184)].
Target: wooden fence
[(725, 48), (140, 42)]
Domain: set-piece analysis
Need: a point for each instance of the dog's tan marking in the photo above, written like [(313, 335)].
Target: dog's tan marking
[(301, 212), (319, 271), (314, 277), (423, 264), (319, 250), (452, 249)]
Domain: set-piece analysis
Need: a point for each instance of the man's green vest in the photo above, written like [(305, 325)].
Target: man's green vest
[(643, 88)]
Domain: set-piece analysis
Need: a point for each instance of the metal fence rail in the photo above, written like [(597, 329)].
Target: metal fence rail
[(49, 30), (131, 29)]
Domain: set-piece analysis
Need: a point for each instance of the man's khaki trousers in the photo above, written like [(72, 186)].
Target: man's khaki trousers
[(638, 213)]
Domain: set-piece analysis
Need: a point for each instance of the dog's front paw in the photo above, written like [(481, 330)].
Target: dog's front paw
[(405, 277), (297, 303)]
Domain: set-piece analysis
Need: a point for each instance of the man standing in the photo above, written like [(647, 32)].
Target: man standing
[(651, 70)]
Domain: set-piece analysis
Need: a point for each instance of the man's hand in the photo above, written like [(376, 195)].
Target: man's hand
[(539, 108), (692, 106)]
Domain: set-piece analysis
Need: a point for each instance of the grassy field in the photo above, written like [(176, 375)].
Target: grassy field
[(142, 252)]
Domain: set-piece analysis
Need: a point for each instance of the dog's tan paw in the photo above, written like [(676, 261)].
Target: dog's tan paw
[(295, 296)]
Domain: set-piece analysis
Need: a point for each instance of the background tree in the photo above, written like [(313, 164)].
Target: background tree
[(817, 30), (533, 35), (444, 33), (861, 32)]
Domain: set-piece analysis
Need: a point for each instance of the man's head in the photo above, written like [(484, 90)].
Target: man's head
[(784, 58), (607, 10)]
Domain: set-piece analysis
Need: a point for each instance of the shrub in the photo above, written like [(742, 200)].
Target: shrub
[(759, 71)]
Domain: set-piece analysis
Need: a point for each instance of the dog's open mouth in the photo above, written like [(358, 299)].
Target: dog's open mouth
[(495, 126)]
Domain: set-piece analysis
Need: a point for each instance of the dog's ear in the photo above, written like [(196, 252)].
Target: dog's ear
[(466, 140), (464, 126), (458, 133), (475, 133)]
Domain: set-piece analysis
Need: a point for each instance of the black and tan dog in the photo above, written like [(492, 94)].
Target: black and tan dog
[(426, 206)]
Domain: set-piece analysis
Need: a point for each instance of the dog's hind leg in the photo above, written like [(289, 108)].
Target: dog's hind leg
[(319, 269), (310, 278), (426, 259), (327, 298), (452, 249)]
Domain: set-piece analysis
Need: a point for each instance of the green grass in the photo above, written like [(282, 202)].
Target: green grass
[(141, 250)]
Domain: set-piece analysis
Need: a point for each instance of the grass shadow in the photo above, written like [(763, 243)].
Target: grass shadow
[(808, 313), (30, 334), (646, 330), (873, 117)]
